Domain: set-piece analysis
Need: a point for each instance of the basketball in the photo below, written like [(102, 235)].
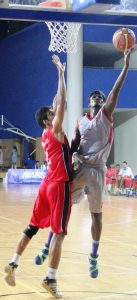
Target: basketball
[(124, 39)]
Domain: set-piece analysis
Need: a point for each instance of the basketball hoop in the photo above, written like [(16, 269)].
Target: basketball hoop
[(63, 36)]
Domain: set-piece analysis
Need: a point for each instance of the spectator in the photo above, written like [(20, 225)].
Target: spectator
[(111, 178), (14, 157), (117, 169), (125, 172), (37, 165), (44, 165), (111, 171)]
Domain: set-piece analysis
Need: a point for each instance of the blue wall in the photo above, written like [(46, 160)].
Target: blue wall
[(104, 79), (28, 78), (101, 33), (95, 79)]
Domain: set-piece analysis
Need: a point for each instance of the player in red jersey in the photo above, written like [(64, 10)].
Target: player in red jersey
[(53, 203)]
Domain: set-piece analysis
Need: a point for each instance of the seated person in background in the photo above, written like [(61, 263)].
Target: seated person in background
[(111, 171), (111, 177), (134, 186), (125, 172), (115, 183), (117, 169)]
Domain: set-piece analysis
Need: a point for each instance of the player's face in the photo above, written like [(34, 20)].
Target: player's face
[(51, 112), (96, 100), (50, 117)]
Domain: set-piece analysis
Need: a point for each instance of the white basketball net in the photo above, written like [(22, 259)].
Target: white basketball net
[(63, 36)]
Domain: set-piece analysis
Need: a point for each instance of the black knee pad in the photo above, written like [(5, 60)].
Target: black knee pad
[(31, 230)]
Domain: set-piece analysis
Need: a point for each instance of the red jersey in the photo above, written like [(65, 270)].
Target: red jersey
[(57, 155), (111, 172)]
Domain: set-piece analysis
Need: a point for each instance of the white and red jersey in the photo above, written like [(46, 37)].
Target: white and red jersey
[(57, 155), (96, 138)]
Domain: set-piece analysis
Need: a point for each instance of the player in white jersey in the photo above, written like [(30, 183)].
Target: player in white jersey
[(96, 136), (92, 144)]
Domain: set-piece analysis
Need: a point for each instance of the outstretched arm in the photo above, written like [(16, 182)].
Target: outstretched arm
[(60, 98), (112, 98), (54, 104), (75, 141)]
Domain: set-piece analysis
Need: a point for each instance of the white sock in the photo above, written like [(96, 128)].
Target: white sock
[(51, 273), (16, 258)]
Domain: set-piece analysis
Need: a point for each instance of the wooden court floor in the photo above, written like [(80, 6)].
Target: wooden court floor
[(117, 253)]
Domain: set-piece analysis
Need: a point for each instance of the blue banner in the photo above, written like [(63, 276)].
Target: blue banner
[(25, 175)]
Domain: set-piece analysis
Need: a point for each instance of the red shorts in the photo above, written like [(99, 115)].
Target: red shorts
[(52, 206)]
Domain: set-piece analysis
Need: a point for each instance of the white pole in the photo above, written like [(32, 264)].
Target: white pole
[(75, 86)]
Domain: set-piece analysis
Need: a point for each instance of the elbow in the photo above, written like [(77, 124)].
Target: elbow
[(61, 100)]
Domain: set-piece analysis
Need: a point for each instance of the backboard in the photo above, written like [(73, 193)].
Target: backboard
[(114, 12)]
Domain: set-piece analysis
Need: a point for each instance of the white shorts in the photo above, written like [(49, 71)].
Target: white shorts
[(94, 180)]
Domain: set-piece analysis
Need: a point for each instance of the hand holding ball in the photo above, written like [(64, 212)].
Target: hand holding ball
[(124, 39)]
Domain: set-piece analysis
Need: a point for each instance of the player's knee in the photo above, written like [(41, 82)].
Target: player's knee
[(59, 237), (31, 230), (97, 219)]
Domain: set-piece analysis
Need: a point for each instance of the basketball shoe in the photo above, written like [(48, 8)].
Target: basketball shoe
[(93, 266), (51, 286), (10, 271), (40, 258)]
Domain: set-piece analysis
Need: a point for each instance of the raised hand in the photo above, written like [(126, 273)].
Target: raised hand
[(57, 62)]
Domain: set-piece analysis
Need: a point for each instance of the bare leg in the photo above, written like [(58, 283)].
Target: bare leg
[(96, 229), (50, 283), (121, 183), (11, 268), (55, 250), (22, 244)]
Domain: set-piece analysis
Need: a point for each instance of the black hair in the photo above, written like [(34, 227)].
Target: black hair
[(99, 93), (117, 165), (14, 147), (41, 115), (125, 162)]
